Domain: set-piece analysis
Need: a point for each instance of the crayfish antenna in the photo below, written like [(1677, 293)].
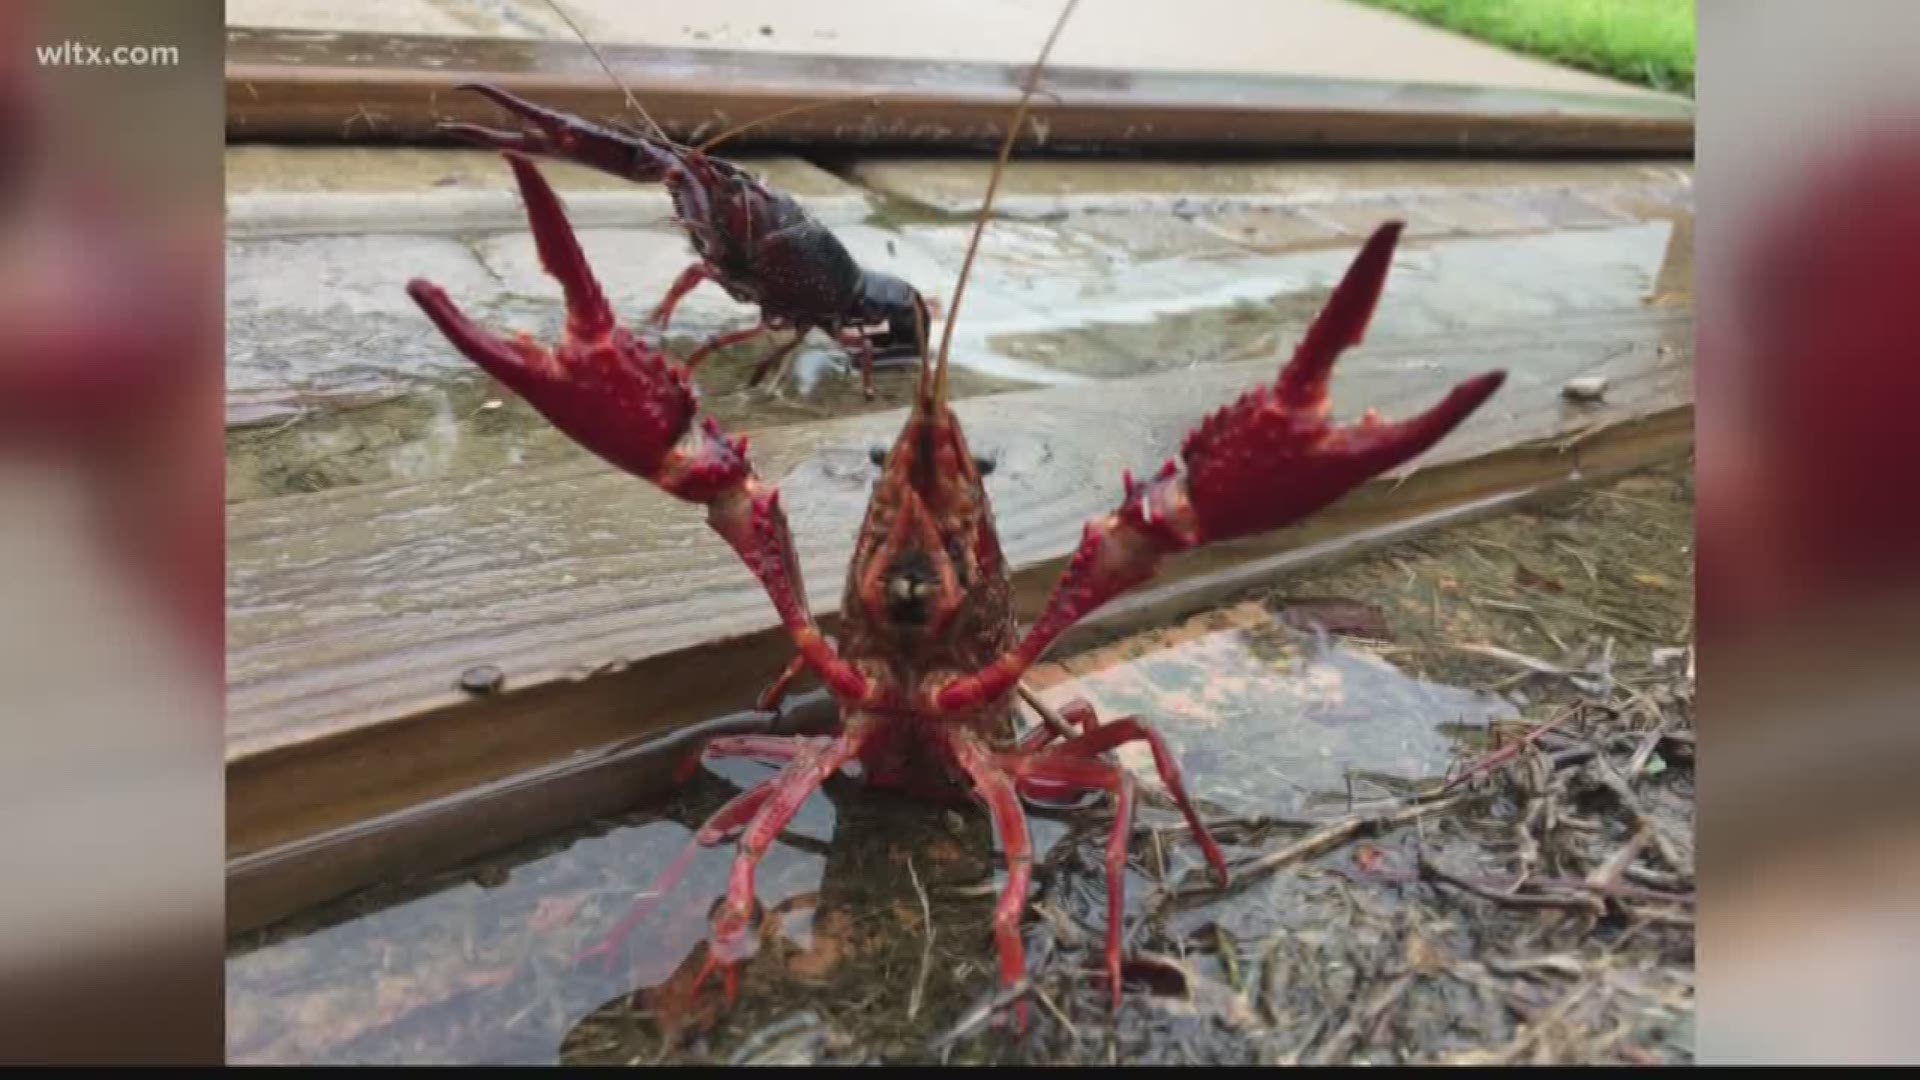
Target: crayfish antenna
[(923, 395), (658, 131), (986, 205)]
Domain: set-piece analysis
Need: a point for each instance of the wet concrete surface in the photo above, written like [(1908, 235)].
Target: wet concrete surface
[(1347, 689), (335, 377)]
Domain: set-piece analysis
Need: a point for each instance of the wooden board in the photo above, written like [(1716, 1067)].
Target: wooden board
[(615, 613), (288, 85)]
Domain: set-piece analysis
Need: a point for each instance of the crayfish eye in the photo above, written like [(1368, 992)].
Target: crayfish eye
[(984, 465)]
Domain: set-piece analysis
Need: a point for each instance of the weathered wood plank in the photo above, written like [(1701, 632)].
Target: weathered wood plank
[(284, 85), (354, 612)]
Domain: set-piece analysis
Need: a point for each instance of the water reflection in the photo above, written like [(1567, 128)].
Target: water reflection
[(481, 970), (1269, 720)]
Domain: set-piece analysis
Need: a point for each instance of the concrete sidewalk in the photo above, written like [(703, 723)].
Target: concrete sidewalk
[(1329, 39)]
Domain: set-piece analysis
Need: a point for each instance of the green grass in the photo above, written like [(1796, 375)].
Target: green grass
[(1645, 42)]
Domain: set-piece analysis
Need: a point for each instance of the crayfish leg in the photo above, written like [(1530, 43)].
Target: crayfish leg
[(1077, 712), (1084, 773), (777, 356), (814, 761), (782, 684), (855, 341), (1074, 765), (1115, 733), (721, 341), (1118, 842), (996, 789), (689, 280)]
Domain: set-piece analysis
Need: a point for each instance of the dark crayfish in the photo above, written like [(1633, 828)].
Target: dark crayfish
[(930, 657), (754, 241)]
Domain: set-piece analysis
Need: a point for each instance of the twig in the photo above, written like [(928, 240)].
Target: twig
[(1064, 928), (980, 1013), (1270, 979), (1046, 999), (1344, 1040), (926, 952), (1150, 794), (1585, 563), (1508, 656), (970, 892), (1229, 955), (1496, 758), (1619, 892), (1563, 964), (1530, 853), (1644, 751), (1327, 837), (1608, 873), (1432, 870), (1221, 826), (1524, 1040), (1542, 600), (1047, 714), (1653, 879), (1665, 917), (1549, 892), (1669, 850)]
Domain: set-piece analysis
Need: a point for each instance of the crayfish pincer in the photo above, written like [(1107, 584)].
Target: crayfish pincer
[(755, 242), (929, 657)]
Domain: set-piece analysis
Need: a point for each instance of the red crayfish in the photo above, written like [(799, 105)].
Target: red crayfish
[(757, 243), (930, 655)]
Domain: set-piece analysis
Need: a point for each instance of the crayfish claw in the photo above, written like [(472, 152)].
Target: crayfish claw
[(1374, 446), (550, 127), (492, 138), (558, 135), (1341, 324), (589, 316), (519, 364), (610, 391), (1273, 457)]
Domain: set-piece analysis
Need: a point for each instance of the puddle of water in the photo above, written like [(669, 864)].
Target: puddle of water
[(1322, 710), (1057, 306), (475, 971), (1244, 330)]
